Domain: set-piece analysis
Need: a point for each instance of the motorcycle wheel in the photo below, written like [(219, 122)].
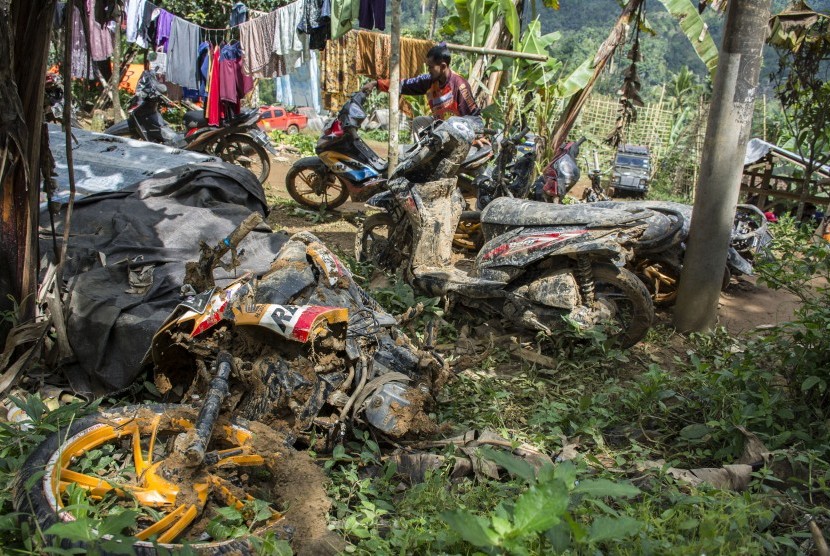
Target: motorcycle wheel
[(372, 243), (168, 513), (312, 188), (631, 302), (242, 150)]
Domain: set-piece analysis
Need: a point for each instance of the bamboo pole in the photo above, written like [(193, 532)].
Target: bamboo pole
[(497, 52)]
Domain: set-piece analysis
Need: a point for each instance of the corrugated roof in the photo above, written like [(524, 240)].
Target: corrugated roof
[(757, 149)]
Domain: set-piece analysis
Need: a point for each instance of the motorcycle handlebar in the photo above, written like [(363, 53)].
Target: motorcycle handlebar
[(520, 136)]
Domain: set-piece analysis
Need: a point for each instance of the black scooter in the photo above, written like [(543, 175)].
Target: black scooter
[(238, 140)]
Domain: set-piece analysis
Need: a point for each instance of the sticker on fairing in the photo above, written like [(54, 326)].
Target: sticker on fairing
[(328, 263), (530, 242), (293, 322)]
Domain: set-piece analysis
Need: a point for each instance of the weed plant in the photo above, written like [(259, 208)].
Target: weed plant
[(626, 418)]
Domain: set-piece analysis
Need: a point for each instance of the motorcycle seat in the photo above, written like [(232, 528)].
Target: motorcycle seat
[(194, 118), (506, 211)]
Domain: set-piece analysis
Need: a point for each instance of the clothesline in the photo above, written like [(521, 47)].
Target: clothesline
[(228, 28)]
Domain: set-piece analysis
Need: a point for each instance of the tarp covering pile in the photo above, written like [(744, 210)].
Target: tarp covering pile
[(127, 255)]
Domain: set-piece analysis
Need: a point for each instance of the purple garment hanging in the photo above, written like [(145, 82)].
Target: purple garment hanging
[(163, 24), (100, 36), (372, 14)]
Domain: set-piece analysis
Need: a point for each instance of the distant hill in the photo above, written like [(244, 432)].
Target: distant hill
[(584, 24)]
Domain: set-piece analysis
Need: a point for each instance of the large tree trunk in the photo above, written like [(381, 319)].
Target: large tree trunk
[(727, 134), (24, 45)]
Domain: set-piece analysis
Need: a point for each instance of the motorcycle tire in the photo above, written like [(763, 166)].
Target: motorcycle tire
[(612, 283), (242, 150), (372, 244), (37, 490), (308, 186)]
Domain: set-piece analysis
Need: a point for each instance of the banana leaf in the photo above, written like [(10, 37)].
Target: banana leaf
[(511, 20), (695, 30), (576, 81)]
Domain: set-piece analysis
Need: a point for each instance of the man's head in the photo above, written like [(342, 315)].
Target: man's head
[(438, 62)]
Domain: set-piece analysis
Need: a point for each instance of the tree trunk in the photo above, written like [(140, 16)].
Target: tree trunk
[(727, 133), (394, 83), (24, 45)]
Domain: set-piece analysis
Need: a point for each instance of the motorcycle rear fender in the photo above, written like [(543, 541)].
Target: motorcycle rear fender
[(384, 200), (312, 162), (522, 248)]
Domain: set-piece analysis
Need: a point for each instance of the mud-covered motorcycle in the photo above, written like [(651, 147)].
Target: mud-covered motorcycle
[(540, 262), (293, 358), (346, 167), (659, 264)]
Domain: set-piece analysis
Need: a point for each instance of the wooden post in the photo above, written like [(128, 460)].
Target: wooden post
[(394, 83), (118, 113)]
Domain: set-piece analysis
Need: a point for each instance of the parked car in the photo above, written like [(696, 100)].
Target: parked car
[(280, 118), (632, 171)]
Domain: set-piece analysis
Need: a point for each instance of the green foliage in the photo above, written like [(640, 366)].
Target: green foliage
[(695, 30), (302, 142)]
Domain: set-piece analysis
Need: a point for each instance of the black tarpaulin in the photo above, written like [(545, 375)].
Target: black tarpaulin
[(156, 223)]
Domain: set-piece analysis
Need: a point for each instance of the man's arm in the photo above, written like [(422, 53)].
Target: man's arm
[(413, 86), (466, 102)]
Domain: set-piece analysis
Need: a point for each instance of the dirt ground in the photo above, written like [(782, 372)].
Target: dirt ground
[(744, 305)]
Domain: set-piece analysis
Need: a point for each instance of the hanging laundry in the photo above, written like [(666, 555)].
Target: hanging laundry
[(374, 51), (257, 38), (287, 41), (233, 84), (145, 29), (203, 58), (135, 11), (213, 109), (182, 49), (239, 14), (372, 14), (106, 11), (100, 36), (164, 22), (315, 21), (337, 64), (301, 84), (82, 65), (60, 15), (343, 13)]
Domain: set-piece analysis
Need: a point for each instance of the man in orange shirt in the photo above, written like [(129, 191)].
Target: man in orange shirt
[(448, 94)]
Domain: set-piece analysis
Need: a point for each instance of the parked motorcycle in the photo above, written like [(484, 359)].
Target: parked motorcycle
[(53, 101), (659, 264), (540, 262), (295, 358), (560, 175), (238, 140), (345, 166)]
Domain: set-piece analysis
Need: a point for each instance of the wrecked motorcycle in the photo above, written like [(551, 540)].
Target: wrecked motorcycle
[(297, 357), (540, 262), (345, 166), (659, 263)]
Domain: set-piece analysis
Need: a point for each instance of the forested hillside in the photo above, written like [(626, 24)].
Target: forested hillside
[(584, 24)]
